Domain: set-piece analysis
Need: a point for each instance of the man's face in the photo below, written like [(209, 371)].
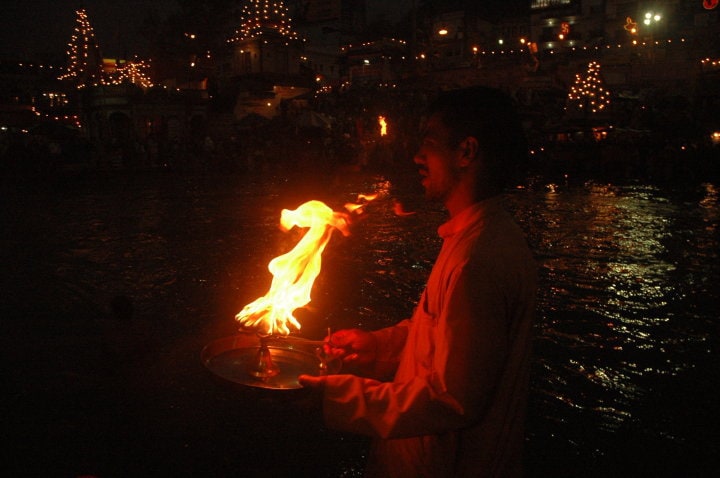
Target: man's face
[(437, 159)]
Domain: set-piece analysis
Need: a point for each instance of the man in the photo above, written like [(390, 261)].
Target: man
[(444, 392)]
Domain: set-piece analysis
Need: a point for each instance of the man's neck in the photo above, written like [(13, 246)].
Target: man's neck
[(464, 196)]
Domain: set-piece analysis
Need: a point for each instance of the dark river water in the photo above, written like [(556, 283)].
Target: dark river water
[(112, 284)]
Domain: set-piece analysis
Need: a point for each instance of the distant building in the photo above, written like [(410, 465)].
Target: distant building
[(30, 93), (265, 42), (328, 26), (375, 62), (266, 57)]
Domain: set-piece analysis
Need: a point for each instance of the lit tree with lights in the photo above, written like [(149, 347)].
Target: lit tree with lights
[(84, 60), (588, 96)]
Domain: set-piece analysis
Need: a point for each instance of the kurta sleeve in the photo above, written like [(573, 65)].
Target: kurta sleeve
[(391, 342)]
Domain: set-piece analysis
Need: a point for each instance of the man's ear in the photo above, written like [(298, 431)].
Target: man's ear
[(468, 150)]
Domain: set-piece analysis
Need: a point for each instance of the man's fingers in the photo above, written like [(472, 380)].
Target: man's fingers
[(341, 338), (311, 381)]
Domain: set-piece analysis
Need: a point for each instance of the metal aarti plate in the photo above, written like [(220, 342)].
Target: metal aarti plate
[(233, 358)]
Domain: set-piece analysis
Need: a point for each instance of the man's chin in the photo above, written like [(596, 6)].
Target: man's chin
[(430, 194)]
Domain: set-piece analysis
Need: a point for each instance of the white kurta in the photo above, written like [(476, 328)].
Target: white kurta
[(456, 404)]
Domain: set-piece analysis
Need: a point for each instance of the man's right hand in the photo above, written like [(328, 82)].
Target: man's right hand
[(356, 348)]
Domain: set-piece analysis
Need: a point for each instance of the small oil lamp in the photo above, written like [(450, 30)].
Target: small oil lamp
[(263, 366)]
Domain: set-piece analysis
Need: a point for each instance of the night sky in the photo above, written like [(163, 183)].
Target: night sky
[(41, 29)]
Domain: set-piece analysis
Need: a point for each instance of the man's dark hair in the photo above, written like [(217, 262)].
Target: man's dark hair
[(490, 116)]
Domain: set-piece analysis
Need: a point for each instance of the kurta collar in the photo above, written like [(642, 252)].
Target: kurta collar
[(470, 215)]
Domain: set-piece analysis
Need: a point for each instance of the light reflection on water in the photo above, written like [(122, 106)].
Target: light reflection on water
[(628, 295), (625, 302)]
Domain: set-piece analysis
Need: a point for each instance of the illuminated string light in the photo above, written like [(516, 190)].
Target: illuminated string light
[(374, 43), (588, 93), (551, 50), (84, 65), (135, 72), (259, 17)]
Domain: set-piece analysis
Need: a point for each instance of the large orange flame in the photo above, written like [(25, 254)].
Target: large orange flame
[(294, 273)]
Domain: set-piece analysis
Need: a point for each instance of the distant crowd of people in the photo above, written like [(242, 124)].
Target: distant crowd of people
[(347, 134)]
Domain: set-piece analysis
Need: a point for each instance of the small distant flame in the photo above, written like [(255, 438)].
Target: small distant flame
[(294, 273), (367, 197), (383, 125), (399, 209), (360, 208)]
